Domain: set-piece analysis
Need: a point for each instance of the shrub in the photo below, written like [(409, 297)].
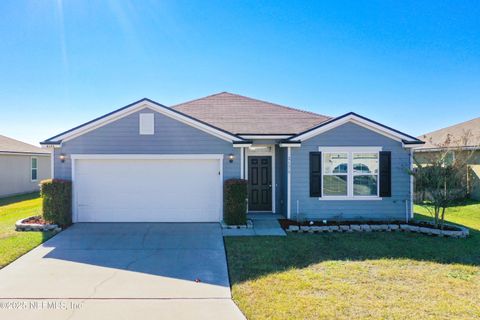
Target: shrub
[(57, 201), (235, 202)]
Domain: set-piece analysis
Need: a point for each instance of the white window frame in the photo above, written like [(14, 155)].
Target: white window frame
[(350, 151), (32, 168), (344, 174)]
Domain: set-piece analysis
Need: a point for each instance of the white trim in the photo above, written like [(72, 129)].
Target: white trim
[(270, 136), (51, 146), (241, 145), (290, 145), (139, 106), (350, 175), (357, 120), (447, 148), (147, 156), (412, 146), (355, 198), (52, 165), (270, 153), (74, 193), (220, 174), (289, 181), (27, 154), (75, 157), (32, 168), (242, 163), (350, 149)]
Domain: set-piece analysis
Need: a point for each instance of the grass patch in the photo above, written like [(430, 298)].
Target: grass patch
[(351, 275), (13, 244)]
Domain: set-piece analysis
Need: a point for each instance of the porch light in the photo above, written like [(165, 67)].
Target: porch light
[(62, 157), (231, 157)]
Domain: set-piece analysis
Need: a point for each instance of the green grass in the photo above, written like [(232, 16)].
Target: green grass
[(351, 276), (13, 244)]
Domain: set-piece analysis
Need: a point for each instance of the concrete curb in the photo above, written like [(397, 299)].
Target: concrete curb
[(21, 226), (249, 225)]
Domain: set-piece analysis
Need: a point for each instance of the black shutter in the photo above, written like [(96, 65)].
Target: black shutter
[(385, 174), (315, 174)]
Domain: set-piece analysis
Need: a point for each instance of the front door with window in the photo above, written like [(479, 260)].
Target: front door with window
[(260, 183)]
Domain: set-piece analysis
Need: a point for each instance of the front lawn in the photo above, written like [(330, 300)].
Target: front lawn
[(13, 244), (368, 275)]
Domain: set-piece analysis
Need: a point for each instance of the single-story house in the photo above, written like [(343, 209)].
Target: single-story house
[(149, 162), (459, 140), (22, 166)]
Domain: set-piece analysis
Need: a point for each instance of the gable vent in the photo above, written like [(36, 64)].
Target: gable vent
[(147, 123)]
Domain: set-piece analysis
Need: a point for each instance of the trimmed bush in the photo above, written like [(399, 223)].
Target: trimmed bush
[(57, 201), (235, 202)]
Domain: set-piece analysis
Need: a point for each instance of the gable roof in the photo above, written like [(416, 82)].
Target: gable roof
[(9, 145), (233, 117), (246, 116), (455, 133), (133, 107), (359, 120)]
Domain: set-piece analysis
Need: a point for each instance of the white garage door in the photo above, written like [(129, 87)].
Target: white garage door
[(136, 190)]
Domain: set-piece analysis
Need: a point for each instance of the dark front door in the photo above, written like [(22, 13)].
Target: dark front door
[(260, 183)]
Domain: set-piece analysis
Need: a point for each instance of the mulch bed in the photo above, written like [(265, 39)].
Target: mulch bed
[(285, 223), (36, 220)]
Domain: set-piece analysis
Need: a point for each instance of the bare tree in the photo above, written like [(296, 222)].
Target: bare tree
[(441, 178)]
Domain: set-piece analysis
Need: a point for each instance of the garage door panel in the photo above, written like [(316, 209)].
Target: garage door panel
[(147, 190)]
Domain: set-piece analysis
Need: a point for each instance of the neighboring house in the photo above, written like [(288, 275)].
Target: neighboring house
[(22, 166), (463, 138), (149, 162)]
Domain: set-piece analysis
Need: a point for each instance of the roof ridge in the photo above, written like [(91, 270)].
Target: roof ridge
[(449, 127), (254, 99)]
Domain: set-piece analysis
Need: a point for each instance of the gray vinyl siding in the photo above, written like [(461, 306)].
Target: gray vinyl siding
[(15, 173), (391, 208), (122, 137)]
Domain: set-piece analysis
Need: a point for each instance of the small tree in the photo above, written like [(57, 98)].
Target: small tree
[(442, 178)]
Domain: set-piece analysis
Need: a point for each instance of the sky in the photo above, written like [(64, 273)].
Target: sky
[(412, 65)]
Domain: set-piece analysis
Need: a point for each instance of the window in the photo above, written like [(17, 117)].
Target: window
[(365, 174), (350, 172), (34, 169), (335, 174), (147, 124)]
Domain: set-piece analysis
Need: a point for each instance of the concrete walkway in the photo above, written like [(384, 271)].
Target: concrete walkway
[(122, 271), (263, 225)]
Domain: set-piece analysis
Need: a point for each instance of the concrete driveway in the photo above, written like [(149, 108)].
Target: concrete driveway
[(122, 271)]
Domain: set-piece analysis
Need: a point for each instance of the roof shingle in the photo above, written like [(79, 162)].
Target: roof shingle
[(456, 134), (242, 115), (8, 145)]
